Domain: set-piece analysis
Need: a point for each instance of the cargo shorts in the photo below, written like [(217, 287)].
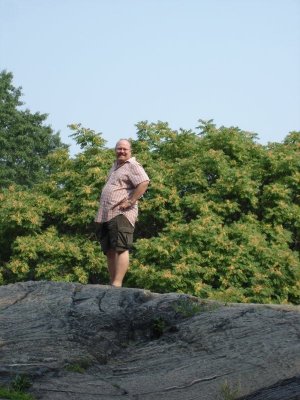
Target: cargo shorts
[(115, 234)]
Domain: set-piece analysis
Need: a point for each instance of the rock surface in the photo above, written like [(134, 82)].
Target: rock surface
[(87, 342)]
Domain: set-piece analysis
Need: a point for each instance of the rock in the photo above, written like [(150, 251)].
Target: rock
[(96, 342)]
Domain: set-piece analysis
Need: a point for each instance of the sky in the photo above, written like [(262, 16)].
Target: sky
[(109, 64)]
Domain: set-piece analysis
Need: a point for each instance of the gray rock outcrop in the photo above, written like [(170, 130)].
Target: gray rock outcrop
[(87, 342)]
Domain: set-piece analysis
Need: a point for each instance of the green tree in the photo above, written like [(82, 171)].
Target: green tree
[(47, 231), (25, 141), (225, 215), (219, 220)]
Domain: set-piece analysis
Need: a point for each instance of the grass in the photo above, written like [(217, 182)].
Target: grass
[(11, 394), (16, 389), (188, 307), (80, 366), (20, 383), (74, 368), (158, 327), (228, 393)]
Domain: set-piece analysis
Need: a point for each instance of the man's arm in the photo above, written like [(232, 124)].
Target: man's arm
[(137, 193)]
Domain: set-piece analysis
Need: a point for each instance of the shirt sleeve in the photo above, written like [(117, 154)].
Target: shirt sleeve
[(138, 174)]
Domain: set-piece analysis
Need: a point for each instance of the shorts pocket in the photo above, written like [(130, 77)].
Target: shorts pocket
[(125, 238)]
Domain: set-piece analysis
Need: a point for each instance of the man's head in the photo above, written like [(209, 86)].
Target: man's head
[(123, 150)]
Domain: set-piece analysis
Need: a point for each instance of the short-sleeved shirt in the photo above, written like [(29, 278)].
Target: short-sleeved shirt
[(122, 181)]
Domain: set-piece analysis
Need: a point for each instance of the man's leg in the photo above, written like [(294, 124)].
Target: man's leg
[(111, 256), (118, 263)]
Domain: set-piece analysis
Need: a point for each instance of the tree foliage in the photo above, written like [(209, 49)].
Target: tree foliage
[(220, 219), (25, 141)]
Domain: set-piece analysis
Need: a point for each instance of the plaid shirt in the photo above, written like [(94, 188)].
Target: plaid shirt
[(121, 182)]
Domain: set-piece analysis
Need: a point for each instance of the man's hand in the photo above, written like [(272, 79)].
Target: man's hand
[(126, 204), (138, 192)]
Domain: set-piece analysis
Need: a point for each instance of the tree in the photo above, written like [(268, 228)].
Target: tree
[(47, 232), (25, 141), (220, 218), (225, 215)]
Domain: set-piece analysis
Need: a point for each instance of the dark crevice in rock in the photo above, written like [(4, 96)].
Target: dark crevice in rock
[(228, 323), (19, 299), (100, 299), (186, 385), (287, 389)]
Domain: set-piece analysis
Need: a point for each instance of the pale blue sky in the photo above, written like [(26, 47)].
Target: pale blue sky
[(108, 64)]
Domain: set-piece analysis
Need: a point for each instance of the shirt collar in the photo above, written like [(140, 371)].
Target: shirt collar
[(130, 160)]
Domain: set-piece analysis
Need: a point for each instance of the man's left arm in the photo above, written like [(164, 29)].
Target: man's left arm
[(135, 195)]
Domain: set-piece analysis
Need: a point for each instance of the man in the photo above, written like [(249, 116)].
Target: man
[(127, 182)]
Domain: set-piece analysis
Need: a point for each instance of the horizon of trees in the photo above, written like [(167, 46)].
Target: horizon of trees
[(220, 219)]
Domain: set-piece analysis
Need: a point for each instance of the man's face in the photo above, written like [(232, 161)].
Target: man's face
[(123, 151)]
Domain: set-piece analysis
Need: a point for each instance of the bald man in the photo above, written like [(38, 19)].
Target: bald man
[(127, 182)]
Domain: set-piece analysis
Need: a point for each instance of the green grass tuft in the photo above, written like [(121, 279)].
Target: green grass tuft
[(228, 392), (11, 394)]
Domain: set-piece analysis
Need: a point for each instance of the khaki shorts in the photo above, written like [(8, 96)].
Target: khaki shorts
[(116, 234)]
